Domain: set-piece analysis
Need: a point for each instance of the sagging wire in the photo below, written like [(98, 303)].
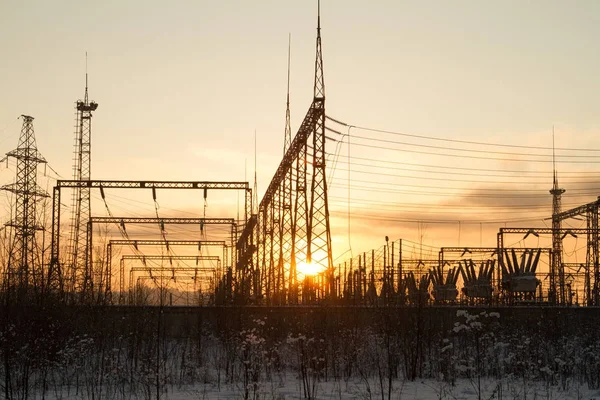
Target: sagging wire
[(124, 234), (457, 140), (163, 233), (336, 153), (347, 137)]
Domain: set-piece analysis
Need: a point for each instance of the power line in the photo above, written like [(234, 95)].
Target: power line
[(468, 150), (441, 221), (509, 172), (453, 194), (457, 180), (454, 206), (457, 140), (500, 191), (471, 157)]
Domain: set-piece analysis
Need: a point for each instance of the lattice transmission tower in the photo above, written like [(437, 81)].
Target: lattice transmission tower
[(291, 223), (81, 271), (319, 233), (287, 217), (24, 270), (556, 295)]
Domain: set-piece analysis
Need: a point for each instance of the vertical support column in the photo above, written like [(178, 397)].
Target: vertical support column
[(500, 253), (87, 289), (109, 275), (392, 271), (258, 250), (596, 256), (276, 247), (54, 270), (400, 277), (319, 232), (300, 224)]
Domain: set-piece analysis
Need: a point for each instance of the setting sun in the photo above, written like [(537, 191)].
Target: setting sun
[(305, 268)]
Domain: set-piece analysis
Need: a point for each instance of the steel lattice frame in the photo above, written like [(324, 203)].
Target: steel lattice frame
[(136, 243), (590, 210), (591, 232), (319, 233), (23, 270), (172, 270), (122, 221), (55, 276), (286, 198), (556, 265), (287, 208), (80, 268)]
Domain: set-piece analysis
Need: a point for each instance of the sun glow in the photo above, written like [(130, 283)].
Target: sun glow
[(309, 269)]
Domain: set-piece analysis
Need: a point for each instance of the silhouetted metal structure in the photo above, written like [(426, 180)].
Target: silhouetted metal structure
[(259, 268), (172, 272), (556, 295), (286, 231), (80, 268), (444, 284), (591, 233), (477, 284), (590, 211), (290, 229), (102, 288), (166, 244), (519, 274), (24, 270)]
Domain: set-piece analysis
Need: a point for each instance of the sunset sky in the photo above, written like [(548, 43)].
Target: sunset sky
[(182, 86)]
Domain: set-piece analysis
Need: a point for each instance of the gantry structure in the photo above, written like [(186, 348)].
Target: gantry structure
[(99, 289), (136, 244), (199, 272), (592, 277), (291, 225), (590, 212), (24, 270)]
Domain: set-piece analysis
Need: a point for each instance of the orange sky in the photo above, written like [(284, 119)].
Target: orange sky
[(182, 87)]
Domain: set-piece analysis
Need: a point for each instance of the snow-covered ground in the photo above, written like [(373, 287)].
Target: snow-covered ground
[(476, 357), (290, 388)]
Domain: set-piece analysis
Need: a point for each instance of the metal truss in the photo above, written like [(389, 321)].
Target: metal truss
[(56, 276), (119, 184), (163, 220), (592, 254), (290, 226), (171, 271), (319, 232), (23, 270), (137, 243), (80, 269)]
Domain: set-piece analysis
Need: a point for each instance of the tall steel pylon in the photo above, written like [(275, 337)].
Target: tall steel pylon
[(287, 217), (81, 270), (286, 201), (319, 232), (556, 267), (25, 267)]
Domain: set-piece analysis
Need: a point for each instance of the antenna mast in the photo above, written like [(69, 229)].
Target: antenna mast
[(80, 270), (286, 229), (556, 295)]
